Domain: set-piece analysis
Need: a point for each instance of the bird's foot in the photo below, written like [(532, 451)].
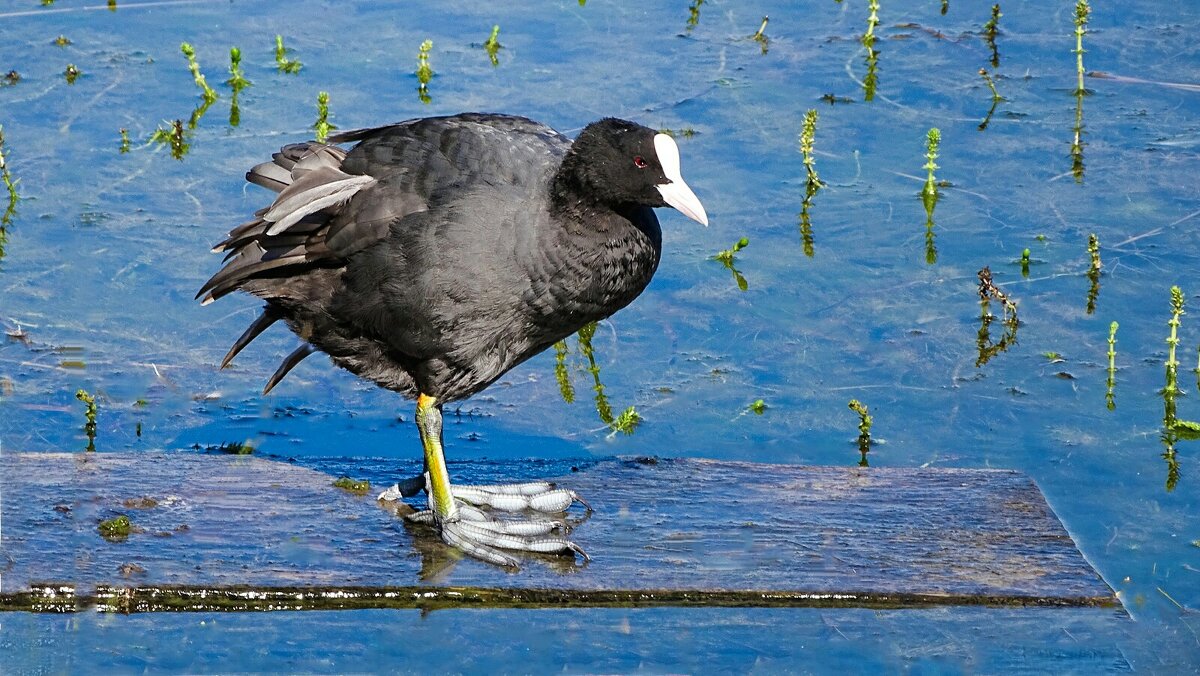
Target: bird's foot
[(474, 530)]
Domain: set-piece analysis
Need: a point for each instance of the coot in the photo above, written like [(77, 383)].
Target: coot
[(438, 253)]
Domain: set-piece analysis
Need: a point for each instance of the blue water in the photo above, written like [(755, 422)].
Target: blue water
[(107, 249)]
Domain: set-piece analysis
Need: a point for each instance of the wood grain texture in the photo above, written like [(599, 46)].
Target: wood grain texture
[(241, 532)]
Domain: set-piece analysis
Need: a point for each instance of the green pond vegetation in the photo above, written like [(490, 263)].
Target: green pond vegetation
[(492, 46), (864, 429), (89, 425), (322, 125), (115, 529), (812, 183), (727, 256), (282, 62), (424, 71), (929, 193)]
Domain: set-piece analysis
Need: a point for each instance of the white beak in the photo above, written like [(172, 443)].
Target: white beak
[(677, 193)]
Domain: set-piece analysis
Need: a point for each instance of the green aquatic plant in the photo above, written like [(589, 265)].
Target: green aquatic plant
[(282, 62), (694, 14), (237, 81), (197, 76), (322, 124), (988, 291), (424, 72), (990, 29), (727, 257), (812, 181), (11, 78), (124, 141), (871, 79), (233, 448), (864, 429), (10, 184), (1093, 273), (807, 134), (629, 419), (761, 37), (174, 137), (685, 132), (71, 73), (561, 374), (929, 193), (117, 528), (360, 487), (1172, 364), (1174, 429), (492, 46), (868, 37), (758, 407), (89, 425), (1109, 400), (996, 98), (1082, 11), (62, 41), (1025, 263)]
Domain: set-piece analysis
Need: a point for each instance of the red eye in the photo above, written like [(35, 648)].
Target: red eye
[(639, 162)]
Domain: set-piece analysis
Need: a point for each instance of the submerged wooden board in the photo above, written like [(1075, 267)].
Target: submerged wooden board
[(250, 533)]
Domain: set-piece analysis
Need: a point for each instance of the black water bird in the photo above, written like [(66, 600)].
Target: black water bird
[(438, 253)]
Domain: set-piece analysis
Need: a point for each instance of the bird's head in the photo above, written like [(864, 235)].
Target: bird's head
[(621, 162)]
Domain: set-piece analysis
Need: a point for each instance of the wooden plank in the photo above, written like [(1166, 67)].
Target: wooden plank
[(242, 532)]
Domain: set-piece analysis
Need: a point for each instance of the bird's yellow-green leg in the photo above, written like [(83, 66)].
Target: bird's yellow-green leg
[(464, 525), (429, 423)]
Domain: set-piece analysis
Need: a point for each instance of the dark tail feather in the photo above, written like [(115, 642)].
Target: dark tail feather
[(268, 317), (288, 364)]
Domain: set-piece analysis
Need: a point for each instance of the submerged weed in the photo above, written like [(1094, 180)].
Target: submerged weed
[(726, 257), (1093, 273), (812, 181), (561, 374), (352, 485), (10, 185), (115, 529), (996, 98), (988, 291), (282, 62), (124, 141), (1174, 429), (236, 80), (629, 419), (174, 137), (758, 407), (424, 72), (761, 37), (1109, 402), (89, 426), (1025, 263), (694, 14), (197, 76), (1082, 11), (864, 429), (492, 46), (929, 193), (990, 29), (322, 124)]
